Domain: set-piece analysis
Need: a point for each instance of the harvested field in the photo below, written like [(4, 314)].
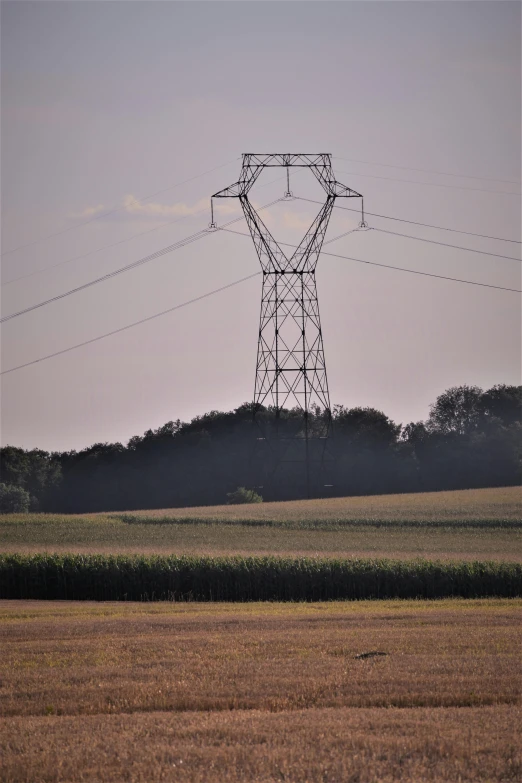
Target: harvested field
[(193, 692), (364, 745)]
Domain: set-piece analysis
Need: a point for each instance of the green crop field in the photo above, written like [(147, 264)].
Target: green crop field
[(196, 578), (483, 524)]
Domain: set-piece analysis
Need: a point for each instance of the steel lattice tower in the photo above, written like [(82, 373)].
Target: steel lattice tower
[(291, 369)]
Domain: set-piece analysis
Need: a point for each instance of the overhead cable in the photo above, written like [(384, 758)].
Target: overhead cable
[(389, 266), (99, 249), (119, 242), (216, 168), (152, 257), (113, 210), (109, 275), (428, 274), (130, 326), (416, 222), (432, 184), (231, 285), (428, 171), (352, 231), (444, 244)]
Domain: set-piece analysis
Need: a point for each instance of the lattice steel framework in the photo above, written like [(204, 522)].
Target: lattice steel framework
[(291, 369)]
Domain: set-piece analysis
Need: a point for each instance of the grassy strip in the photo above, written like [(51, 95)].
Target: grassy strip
[(321, 524), (197, 578)]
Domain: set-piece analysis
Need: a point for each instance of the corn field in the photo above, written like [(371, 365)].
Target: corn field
[(198, 578), (319, 524)]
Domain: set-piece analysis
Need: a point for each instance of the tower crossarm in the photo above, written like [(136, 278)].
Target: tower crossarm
[(343, 191), (323, 172), (249, 173), (320, 165)]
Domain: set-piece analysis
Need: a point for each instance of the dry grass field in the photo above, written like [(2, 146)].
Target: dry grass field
[(261, 692), (212, 693), (464, 525), (456, 506), (426, 745), (83, 658)]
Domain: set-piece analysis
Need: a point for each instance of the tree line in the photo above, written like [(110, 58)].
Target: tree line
[(472, 438)]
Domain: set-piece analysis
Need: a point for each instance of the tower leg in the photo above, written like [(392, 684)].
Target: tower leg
[(291, 397)]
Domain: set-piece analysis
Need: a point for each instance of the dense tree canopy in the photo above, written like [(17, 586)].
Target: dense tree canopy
[(472, 438)]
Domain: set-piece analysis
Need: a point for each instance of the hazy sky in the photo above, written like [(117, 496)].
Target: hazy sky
[(104, 103)]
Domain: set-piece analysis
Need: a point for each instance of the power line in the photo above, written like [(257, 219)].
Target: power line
[(428, 274), (431, 184), (417, 223), (444, 244), (152, 257), (116, 209), (352, 231), (120, 241), (428, 171), (109, 275), (230, 285), (130, 326), (99, 249), (200, 234), (389, 266), (216, 168)]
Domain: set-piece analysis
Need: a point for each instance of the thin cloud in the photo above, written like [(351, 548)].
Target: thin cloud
[(152, 209), (88, 212), (134, 209), (292, 220)]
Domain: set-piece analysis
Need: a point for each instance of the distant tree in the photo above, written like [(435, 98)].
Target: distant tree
[(503, 403), (472, 438), (366, 426), (34, 470), (456, 411), (14, 465), (365, 442), (243, 495), (414, 433), (13, 499)]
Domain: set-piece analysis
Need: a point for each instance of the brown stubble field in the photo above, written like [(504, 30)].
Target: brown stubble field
[(309, 746), (261, 692)]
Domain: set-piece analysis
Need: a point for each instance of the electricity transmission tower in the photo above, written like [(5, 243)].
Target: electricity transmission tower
[(291, 376)]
